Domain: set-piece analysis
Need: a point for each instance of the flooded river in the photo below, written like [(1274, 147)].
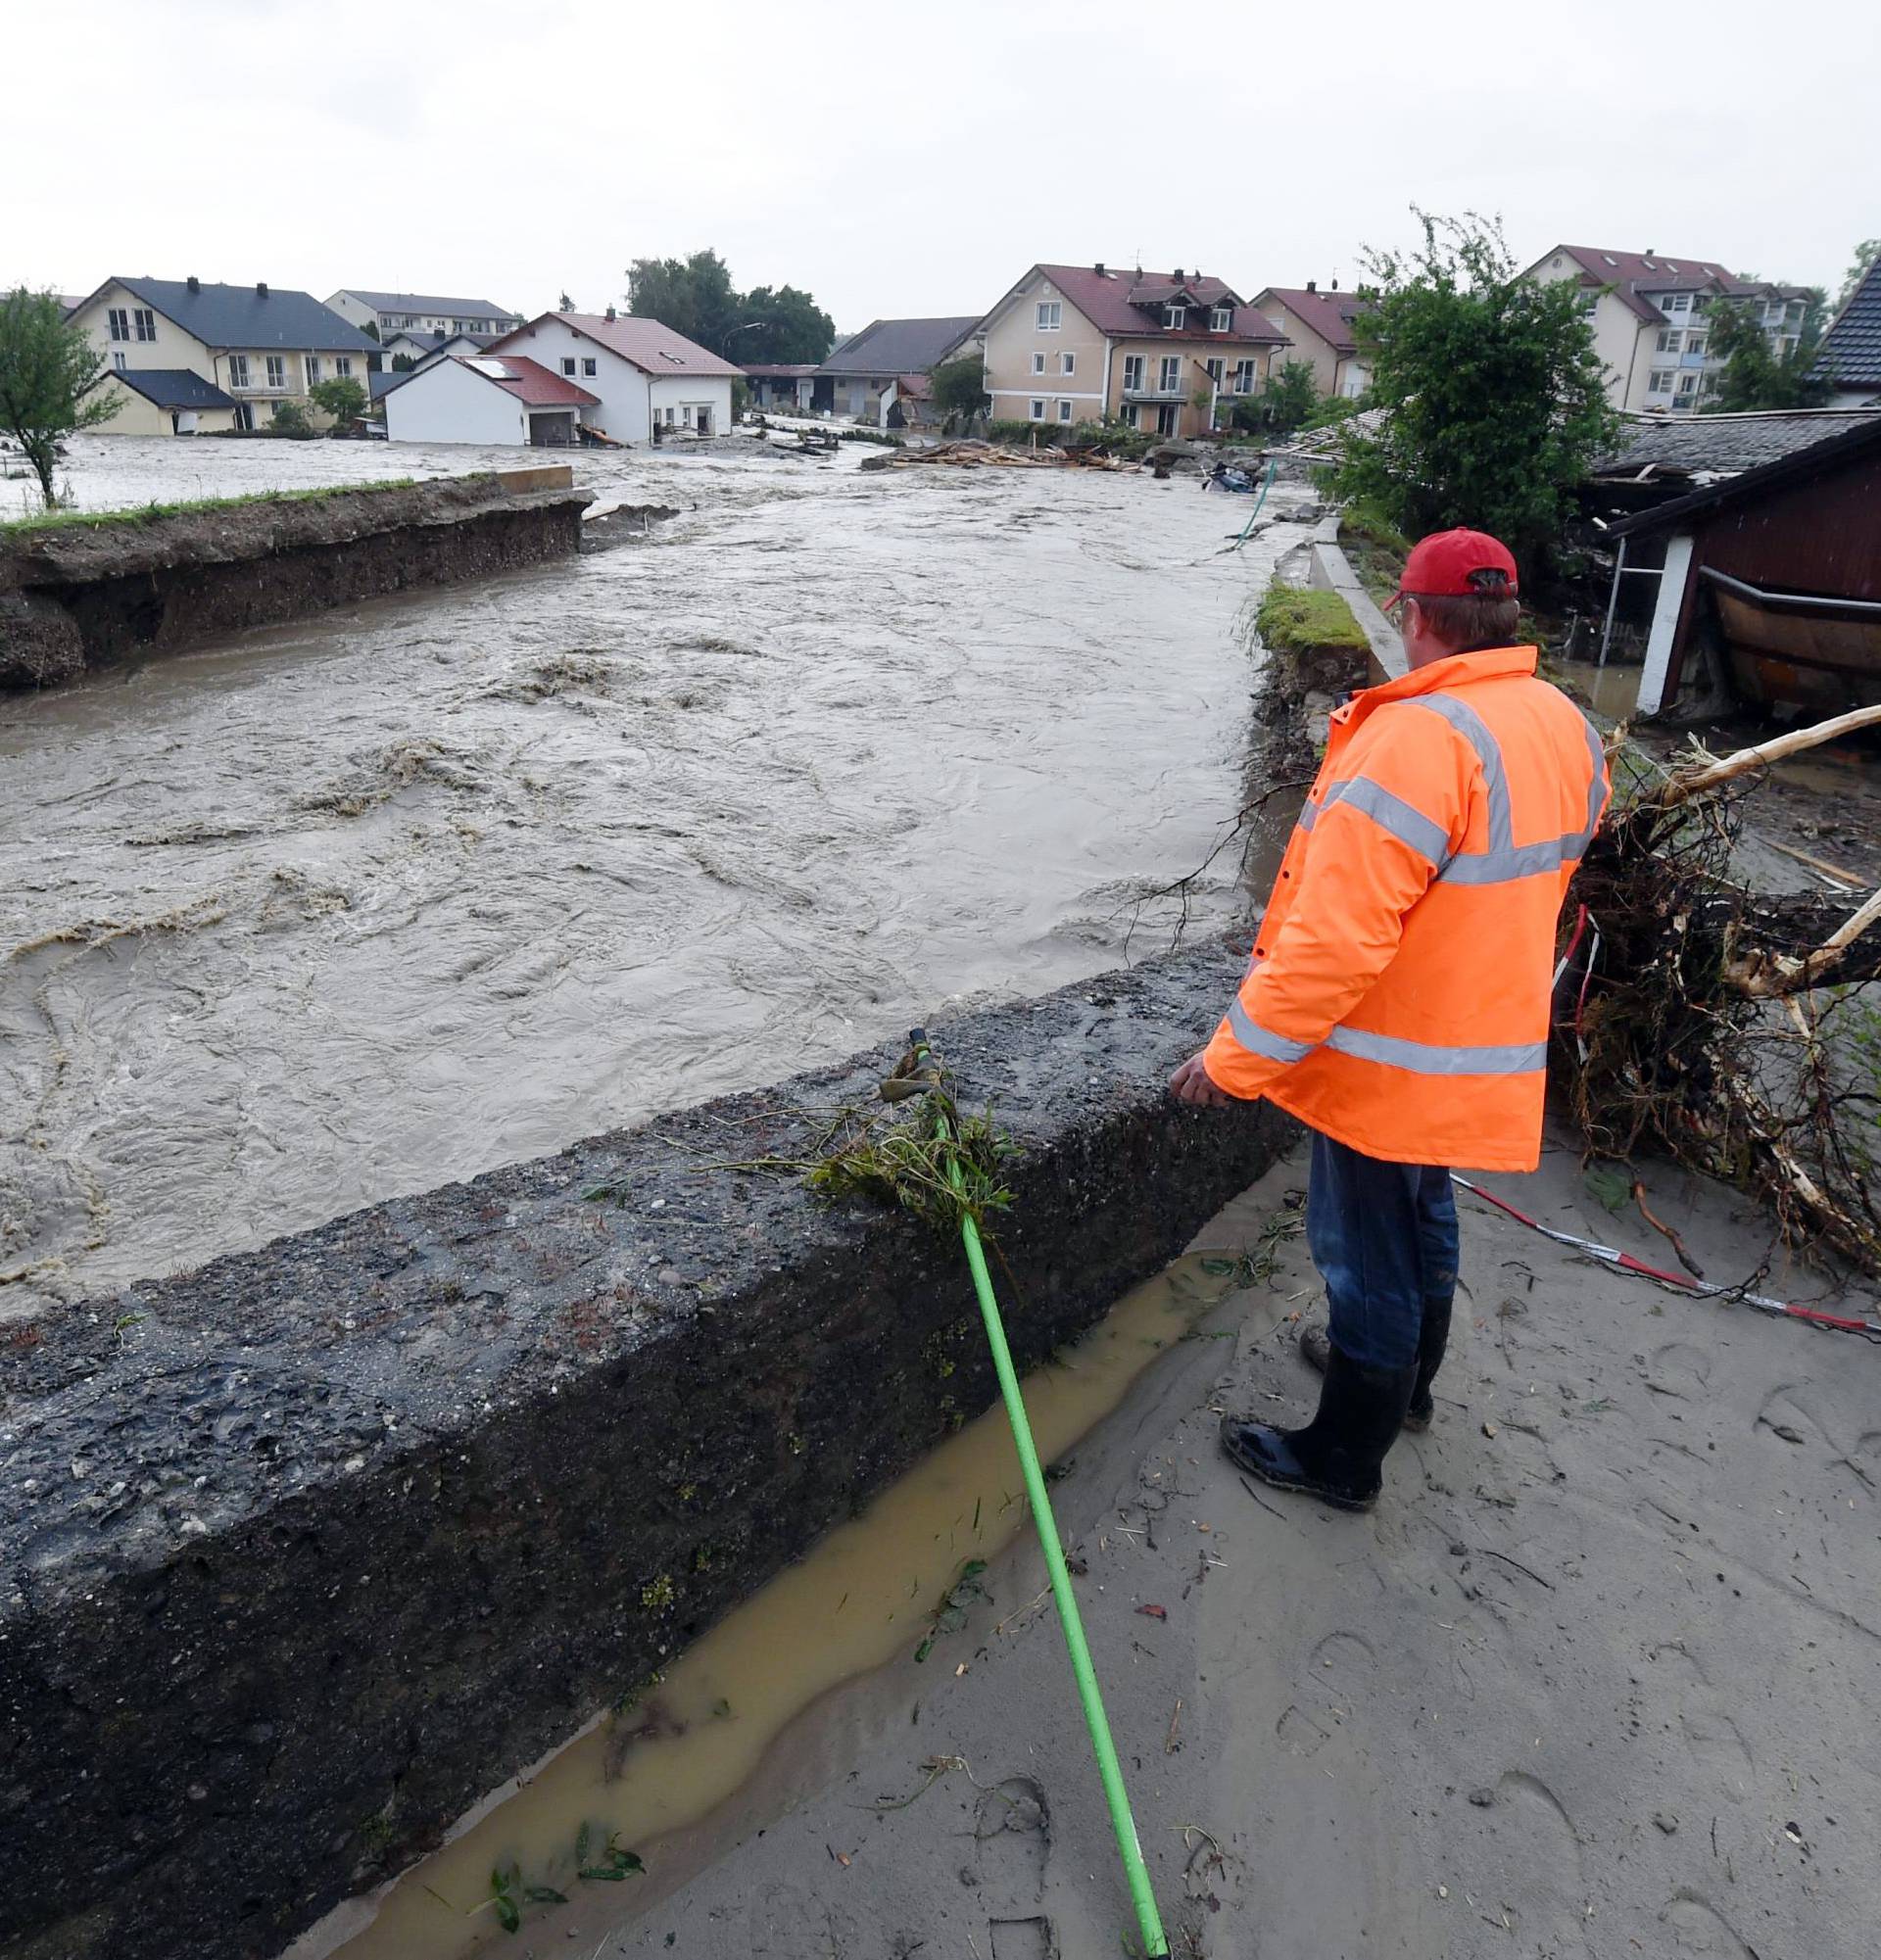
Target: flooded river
[(351, 908)]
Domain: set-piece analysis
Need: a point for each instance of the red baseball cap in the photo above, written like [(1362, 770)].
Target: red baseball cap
[(1439, 565)]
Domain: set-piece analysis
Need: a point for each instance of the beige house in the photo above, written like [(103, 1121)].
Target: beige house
[(1650, 316), (1319, 330), (252, 347), (1164, 352)]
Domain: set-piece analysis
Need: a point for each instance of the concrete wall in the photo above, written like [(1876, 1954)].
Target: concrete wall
[(392, 1501), (1015, 339), (450, 403), (164, 583), (1332, 571)]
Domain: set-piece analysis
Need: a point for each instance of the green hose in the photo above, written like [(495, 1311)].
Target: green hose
[(1109, 1770)]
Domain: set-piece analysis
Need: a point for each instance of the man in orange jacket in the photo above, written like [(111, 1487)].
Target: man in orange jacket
[(1398, 998)]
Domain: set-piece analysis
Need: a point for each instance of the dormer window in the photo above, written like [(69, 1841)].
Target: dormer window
[(1221, 320), (1174, 316)]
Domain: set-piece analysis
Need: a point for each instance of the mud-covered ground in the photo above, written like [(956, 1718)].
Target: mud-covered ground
[(357, 906), (1596, 1679)]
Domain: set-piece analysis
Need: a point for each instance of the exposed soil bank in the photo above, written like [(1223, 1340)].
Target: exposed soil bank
[(319, 1543), (78, 597)]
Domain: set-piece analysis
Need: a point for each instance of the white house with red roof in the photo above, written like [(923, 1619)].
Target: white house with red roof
[(1162, 351), (642, 374), (1651, 314), (1320, 331), (483, 398)]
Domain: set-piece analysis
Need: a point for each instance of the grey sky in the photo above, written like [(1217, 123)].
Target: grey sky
[(903, 159)]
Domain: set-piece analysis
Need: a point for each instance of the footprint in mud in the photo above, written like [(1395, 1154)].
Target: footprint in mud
[(1698, 1926), (1530, 1874), (1021, 1939), (1012, 1843), (788, 1925), (1715, 1742), (1341, 1666), (1785, 1417), (1679, 1370)]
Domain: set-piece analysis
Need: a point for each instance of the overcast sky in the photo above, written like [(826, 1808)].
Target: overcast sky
[(914, 159)]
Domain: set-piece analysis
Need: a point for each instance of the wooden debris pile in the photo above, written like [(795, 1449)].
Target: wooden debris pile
[(1727, 1029), (967, 454)]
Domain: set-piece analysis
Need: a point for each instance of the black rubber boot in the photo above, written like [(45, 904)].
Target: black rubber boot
[(1432, 1339), (1336, 1457)]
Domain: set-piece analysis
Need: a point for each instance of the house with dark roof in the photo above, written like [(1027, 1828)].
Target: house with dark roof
[(167, 402), (258, 346), (415, 347), (389, 313), (1163, 351), (874, 375), (1759, 566), (648, 381), (1318, 328), (1851, 354), (1651, 316), (488, 399)]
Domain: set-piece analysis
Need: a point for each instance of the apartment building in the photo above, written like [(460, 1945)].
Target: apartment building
[(1319, 327), (1164, 352), (256, 346), (427, 313), (1652, 320)]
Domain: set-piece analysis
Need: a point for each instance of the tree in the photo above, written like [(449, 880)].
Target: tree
[(959, 390), (370, 329), (403, 363), (289, 419), (1290, 395), (1754, 375), (1494, 398), (781, 325), (50, 376), (567, 304), (340, 396), (691, 296), (1865, 253)]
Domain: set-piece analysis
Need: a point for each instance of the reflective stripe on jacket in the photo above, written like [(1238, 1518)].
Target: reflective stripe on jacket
[(1398, 998)]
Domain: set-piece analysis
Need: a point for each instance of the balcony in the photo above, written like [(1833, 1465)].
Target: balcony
[(1155, 391)]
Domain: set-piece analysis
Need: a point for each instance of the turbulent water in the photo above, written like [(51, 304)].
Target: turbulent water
[(341, 910)]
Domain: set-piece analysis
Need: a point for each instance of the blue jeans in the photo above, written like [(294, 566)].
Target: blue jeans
[(1385, 1238)]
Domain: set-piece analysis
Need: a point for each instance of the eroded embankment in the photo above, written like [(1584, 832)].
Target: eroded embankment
[(76, 597), (318, 1543)]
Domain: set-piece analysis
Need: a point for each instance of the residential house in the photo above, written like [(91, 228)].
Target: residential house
[(167, 402), (785, 385), (389, 313), (415, 347), (868, 372), (1760, 553), (644, 375), (1850, 356), (1319, 327), (485, 397), (259, 347), (1650, 316), (1163, 351)]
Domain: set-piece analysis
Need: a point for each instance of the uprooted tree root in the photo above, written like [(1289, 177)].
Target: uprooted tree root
[(1717, 1026)]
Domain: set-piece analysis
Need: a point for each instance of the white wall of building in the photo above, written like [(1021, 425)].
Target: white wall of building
[(624, 412), (449, 402), (686, 396)]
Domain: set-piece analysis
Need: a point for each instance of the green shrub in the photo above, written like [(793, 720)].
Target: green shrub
[(1294, 619)]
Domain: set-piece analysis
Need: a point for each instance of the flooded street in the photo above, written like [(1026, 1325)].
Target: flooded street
[(354, 907)]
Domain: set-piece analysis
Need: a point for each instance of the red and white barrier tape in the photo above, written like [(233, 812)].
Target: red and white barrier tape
[(1612, 1255)]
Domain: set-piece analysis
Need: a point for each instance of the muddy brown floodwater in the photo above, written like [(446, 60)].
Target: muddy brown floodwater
[(307, 918)]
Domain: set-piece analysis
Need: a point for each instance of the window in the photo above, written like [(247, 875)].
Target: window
[(1067, 363), (238, 370), (1666, 302), (1244, 377), (588, 365), (312, 370), (1668, 340), (1171, 377), (1174, 317), (1660, 382), (1166, 419), (1701, 304), (145, 321), (1222, 320), (1131, 416), (1681, 303), (1051, 315), (1038, 411), (1687, 386), (669, 418), (1064, 412), (1037, 363), (120, 323), (343, 365), (118, 361), (1215, 367), (1694, 343), (276, 370), (1590, 301), (1132, 374), (568, 364)]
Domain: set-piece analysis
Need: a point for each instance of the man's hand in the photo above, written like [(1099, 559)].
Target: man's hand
[(1190, 1085)]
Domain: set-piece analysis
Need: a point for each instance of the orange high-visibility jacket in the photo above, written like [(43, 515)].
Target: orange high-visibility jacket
[(1399, 995)]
